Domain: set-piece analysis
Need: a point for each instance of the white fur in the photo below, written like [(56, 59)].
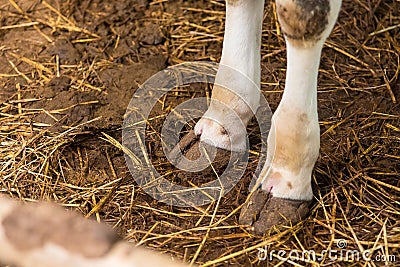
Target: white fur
[(240, 73), (296, 121)]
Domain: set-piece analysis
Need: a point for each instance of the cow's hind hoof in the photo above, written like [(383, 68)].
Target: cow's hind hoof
[(263, 211)]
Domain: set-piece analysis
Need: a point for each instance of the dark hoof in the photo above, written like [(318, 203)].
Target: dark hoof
[(263, 211), (198, 160)]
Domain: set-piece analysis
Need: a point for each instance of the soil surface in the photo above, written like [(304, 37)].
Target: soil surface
[(70, 69)]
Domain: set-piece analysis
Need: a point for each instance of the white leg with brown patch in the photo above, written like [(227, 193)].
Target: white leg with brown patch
[(238, 78), (293, 142)]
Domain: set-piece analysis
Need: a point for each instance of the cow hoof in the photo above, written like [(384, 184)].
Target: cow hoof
[(263, 211), (200, 160)]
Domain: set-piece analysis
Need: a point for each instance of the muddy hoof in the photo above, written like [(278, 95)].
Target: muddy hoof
[(198, 160), (262, 212)]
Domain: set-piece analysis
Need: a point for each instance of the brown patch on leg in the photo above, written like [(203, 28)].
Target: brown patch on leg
[(292, 147), (303, 21), (32, 227), (288, 152), (231, 100), (289, 184)]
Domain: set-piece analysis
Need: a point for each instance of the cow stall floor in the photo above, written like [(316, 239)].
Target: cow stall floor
[(67, 74)]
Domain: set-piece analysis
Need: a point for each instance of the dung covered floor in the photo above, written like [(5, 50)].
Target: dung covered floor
[(70, 68)]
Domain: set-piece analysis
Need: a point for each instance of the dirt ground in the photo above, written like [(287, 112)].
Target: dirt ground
[(70, 68)]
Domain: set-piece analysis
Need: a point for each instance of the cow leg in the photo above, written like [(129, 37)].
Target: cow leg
[(293, 142), (235, 98), (236, 91)]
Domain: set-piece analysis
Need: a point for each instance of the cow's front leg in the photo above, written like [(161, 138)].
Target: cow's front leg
[(236, 93), (235, 96), (293, 142)]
